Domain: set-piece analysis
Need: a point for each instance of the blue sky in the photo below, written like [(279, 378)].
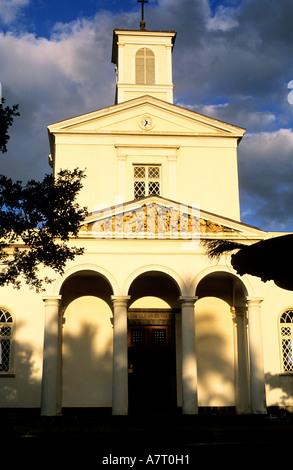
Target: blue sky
[(232, 60), (40, 16)]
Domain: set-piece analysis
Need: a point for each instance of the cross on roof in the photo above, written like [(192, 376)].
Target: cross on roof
[(142, 23)]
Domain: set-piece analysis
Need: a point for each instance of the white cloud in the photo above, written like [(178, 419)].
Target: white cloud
[(51, 80), (9, 9), (266, 178), (276, 145), (223, 20)]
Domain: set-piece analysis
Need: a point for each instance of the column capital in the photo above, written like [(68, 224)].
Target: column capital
[(120, 299), (187, 299), (254, 300), (172, 157), (54, 299), (238, 311)]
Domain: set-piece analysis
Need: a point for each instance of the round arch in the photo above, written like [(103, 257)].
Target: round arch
[(246, 283), (149, 46), (152, 314), (87, 337), (159, 269), (75, 270), (7, 314), (286, 312)]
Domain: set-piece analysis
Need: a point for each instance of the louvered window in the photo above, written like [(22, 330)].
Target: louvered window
[(286, 340), (6, 336), (145, 67), (146, 180)]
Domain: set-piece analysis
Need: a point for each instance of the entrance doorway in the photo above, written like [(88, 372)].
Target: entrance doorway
[(152, 316), (152, 371)]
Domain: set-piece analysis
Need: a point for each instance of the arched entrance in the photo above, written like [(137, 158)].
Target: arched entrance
[(87, 341), (152, 317), (221, 339)]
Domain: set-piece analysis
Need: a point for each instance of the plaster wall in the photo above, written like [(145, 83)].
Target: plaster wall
[(211, 181), (88, 326)]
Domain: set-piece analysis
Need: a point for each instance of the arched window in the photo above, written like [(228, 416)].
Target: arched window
[(6, 337), (286, 340), (145, 67)]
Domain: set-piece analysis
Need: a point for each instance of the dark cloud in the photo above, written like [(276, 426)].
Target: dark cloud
[(232, 60), (266, 179)]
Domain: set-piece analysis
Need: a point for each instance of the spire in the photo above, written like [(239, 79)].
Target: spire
[(142, 22)]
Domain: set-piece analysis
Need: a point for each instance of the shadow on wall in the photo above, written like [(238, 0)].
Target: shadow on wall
[(281, 389), (215, 357), (23, 387), (24, 390), (87, 353)]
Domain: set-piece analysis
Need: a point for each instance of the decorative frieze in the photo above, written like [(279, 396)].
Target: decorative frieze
[(153, 220)]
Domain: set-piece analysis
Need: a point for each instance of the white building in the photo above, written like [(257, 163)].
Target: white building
[(144, 321)]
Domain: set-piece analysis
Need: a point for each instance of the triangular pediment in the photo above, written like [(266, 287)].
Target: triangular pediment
[(165, 118), (159, 218)]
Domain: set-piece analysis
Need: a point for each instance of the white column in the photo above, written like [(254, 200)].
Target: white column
[(120, 356), (51, 365), (257, 378), (241, 361), (189, 363)]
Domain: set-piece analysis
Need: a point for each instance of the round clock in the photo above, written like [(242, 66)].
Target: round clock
[(146, 122)]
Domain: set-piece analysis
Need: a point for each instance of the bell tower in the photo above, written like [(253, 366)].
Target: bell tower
[(143, 62)]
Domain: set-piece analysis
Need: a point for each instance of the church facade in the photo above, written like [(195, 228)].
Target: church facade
[(144, 321)]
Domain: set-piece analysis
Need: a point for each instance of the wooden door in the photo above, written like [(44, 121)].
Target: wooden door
[(151, 369)]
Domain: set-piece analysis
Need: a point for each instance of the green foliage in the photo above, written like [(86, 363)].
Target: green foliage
[(36, 222), (6, 120)]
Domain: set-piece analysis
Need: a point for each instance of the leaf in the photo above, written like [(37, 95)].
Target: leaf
[(36, 221)]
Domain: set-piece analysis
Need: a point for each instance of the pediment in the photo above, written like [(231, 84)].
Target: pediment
[(166, 119), (155, 217)]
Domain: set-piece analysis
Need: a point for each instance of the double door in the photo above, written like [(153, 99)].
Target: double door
[(152, 371)]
